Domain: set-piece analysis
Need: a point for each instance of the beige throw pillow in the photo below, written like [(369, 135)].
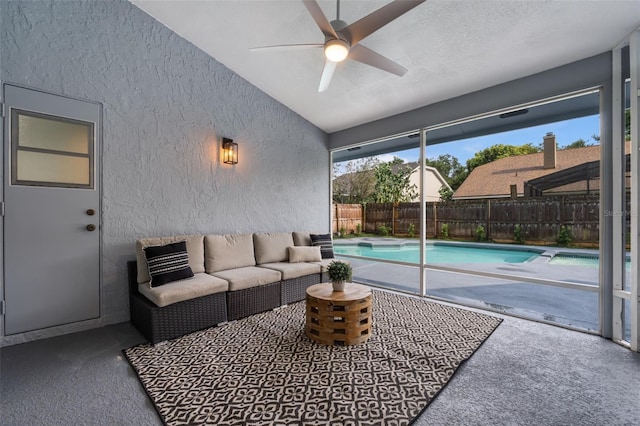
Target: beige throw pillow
[(304, 254)]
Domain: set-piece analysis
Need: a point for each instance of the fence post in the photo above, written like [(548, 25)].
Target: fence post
[(435, 219), (393, 218), (488, 219), (364, 218)]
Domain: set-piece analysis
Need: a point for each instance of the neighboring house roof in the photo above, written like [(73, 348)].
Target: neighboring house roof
[(494, 179)]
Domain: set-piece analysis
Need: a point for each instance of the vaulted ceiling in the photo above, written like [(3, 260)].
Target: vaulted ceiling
[(449, 47)]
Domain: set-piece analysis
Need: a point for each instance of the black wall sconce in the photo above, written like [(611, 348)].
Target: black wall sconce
[(229, 151)]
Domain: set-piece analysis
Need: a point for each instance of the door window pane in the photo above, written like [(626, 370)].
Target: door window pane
[(46, 167), (51, 134), (51, 151)]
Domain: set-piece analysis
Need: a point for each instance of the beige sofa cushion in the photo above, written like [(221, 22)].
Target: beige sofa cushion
[(301, 238), (304, 238), (178, 291), (247, 277), (304, 254), (224, 252), (272, 247), (195, 250), (293, 270)]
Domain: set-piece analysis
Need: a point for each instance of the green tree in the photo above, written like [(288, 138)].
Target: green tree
[(393, 184), (450, 168), (446, 194), (458, 178), (356, 184), (580, 143), (446, 164), (498, 151), (396, 161)]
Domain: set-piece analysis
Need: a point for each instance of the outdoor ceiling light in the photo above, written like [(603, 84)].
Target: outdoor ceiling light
[(514, 113), (336, 50), (229, 151)]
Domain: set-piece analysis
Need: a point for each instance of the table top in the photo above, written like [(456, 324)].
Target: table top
[(352, 291)]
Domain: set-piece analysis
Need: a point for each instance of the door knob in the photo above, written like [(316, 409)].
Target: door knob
[(91, 212), (91, 227)]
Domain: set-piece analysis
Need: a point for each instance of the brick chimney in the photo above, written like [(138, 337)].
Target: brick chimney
[(549, 148)]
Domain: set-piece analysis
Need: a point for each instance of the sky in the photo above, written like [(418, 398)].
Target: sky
[(566, 132)]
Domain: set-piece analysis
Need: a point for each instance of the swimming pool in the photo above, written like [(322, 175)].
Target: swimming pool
[(580, 260), (439, 253)]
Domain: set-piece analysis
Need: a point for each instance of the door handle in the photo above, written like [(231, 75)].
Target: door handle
[(91, 227)]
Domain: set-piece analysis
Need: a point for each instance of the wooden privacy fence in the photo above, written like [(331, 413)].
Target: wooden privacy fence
[(539, 218), (347, 218)]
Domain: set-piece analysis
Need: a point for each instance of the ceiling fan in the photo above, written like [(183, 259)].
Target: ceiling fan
[(341, 41)]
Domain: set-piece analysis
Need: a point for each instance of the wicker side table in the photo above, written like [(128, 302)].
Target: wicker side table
[(338, 318)]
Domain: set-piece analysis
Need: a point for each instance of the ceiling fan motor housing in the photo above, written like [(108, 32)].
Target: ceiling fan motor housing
[(339, 25)]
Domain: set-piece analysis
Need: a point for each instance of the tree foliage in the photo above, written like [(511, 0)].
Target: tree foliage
[(445, 193), (449, 168), (393, 184), (580, 143), (498, 151), (357, 184)]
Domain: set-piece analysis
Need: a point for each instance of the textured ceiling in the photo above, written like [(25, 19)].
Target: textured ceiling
[(450, 48)]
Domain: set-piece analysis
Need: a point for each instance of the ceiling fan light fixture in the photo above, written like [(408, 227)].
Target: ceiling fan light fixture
[(336, 50)]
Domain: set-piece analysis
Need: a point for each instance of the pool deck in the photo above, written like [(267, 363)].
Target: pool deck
[(556, 304)]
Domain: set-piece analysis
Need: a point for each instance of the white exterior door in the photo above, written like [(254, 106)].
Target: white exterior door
[(52, 210)]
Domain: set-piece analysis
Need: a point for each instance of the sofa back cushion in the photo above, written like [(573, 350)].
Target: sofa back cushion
[(272, 247), (224, 252), (301, 238), (195, 251)]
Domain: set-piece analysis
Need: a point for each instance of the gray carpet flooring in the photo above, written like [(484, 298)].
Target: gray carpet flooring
[(526, 373)]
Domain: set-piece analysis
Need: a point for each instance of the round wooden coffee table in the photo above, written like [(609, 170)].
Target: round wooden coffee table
[(338, 317)]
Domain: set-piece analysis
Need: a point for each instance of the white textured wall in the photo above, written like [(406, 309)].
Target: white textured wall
[(166, 107)]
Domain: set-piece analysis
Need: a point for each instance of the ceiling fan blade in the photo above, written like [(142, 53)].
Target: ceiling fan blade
[(285, 47), (378, 19), (321, 20), (327, 74), (369, 57)]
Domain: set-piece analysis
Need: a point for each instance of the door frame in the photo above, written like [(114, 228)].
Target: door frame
[(622, 297), (98, 152)]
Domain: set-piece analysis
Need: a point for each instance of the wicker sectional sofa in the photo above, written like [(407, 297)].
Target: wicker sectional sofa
[(234, 276)]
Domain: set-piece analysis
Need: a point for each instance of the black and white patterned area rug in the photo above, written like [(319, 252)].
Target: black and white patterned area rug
[(263, 370)]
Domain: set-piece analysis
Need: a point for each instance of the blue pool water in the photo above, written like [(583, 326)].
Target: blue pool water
[(562, 259), (439, 253), (580, 260)]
